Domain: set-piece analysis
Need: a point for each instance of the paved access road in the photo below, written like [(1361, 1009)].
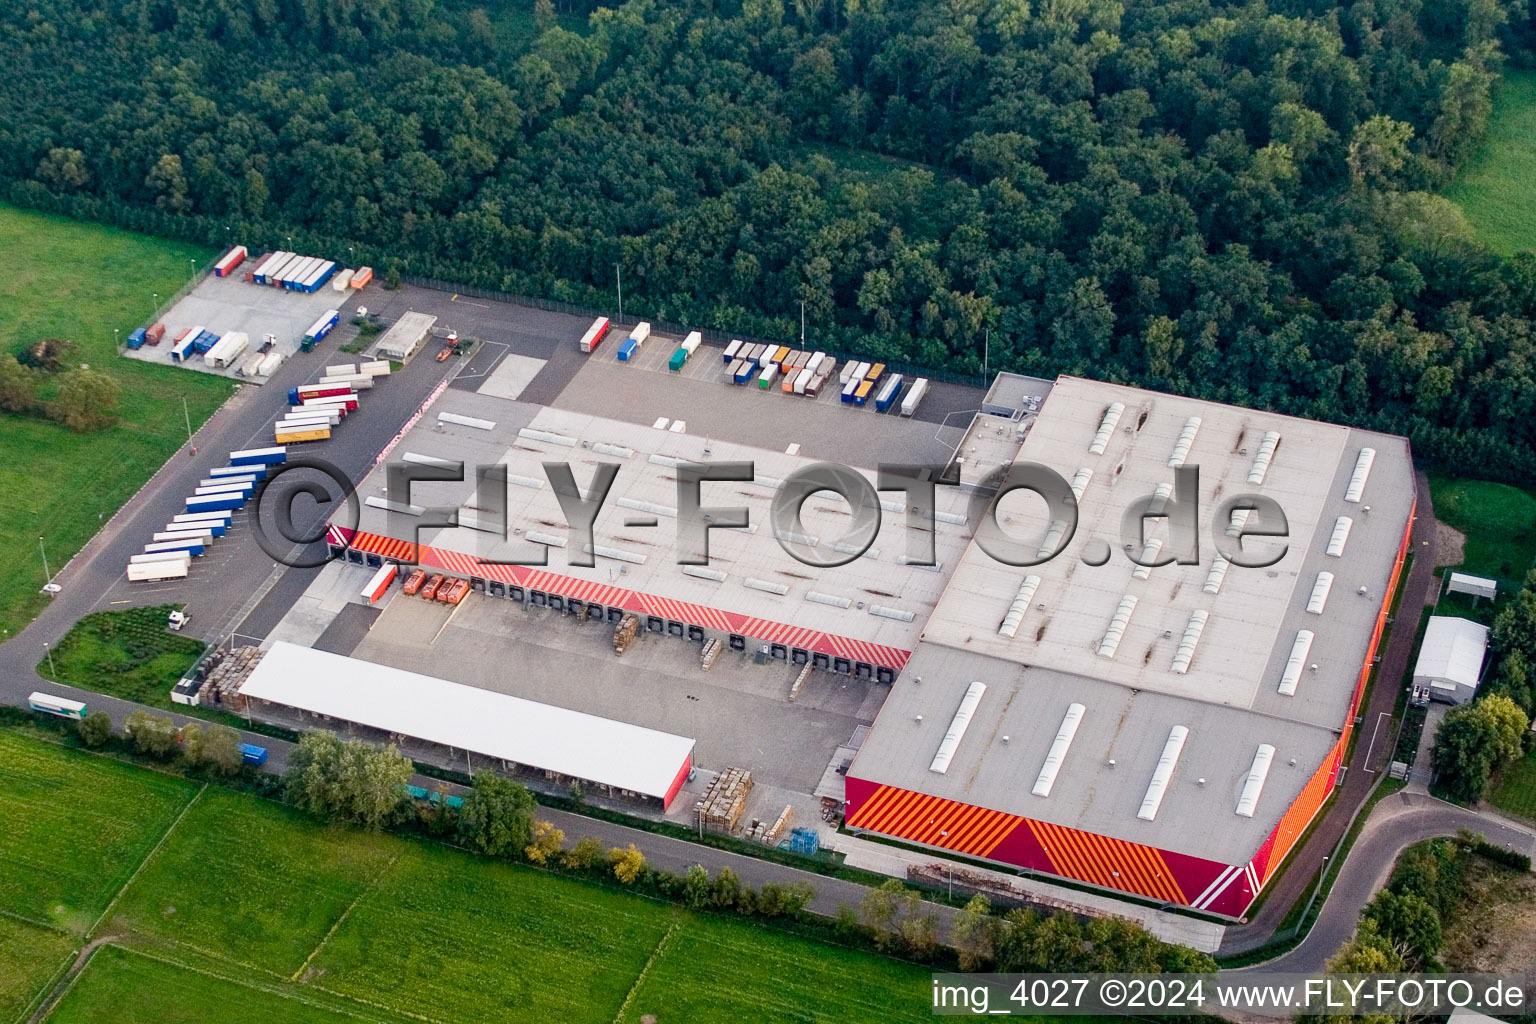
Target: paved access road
[(1396, 823)]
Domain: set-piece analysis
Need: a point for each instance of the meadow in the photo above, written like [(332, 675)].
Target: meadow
[(222, 905), (1497, 187), (1515, 791), (64, 279), (1499, 522)]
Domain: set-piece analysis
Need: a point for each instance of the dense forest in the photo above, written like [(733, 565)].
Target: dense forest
[(1230, 200)]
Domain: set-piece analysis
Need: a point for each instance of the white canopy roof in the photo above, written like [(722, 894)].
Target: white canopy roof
[(1453, 650), (482, 721)]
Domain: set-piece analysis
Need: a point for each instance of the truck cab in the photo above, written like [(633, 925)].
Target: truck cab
[(177, 619)]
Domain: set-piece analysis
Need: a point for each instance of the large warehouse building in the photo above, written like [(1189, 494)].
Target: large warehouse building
[(1162, 731), (1167, 732)]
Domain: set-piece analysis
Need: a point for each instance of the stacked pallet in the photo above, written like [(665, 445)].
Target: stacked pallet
[(624, 633), (228, 674), (710, 654), (724, 802), (805, 673), (780, 825)]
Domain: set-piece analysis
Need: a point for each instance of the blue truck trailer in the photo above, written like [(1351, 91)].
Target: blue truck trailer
[(136, 337), (259, 456), (226, 502)]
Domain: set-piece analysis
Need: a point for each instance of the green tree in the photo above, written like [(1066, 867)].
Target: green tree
[(973, 933), (696, 886), (221, 750), (1475, 740), (1410, 924), (1378, 150), (497, 816), (18, 386), (627, 863), (86, 401), (63, 170), (154, 735), (878, 910), (545, 842), (585, 855), (351, 781), (94, 729)]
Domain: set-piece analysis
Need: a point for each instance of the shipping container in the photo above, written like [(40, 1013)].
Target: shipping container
[(257, 471), (181, 349), (814, 362), (889, 391), (788, 384), (216, 527), (161, 556), (136, 338), (211, 518), (342, 281), (803, 378), (296, 267), (376, 368), (204, 341), (376, 586), (641, 332), (51, 705), (315, 279), (847, 371), (275, 272), (848, 390), (679, 357), (251, 365), (155, 571), (323, 326), (191, 547), (861, 393), (765, 379), (792, 361), (214, 502), (743, 370), (628, 349), (215, 481), (413, 582), (228, 348), (153, 335), (692, 342), (341, 370), (269, 364), (306, 391), (206, 536), (874, 373), (347, 402), (813, 388), (914, 396), (356, 381), (300, 436), (251, 754), (360, 277), (429, 591), (754, 355), (594, 335), (731, 350), (267, 265), (229, 261), (258, 456)]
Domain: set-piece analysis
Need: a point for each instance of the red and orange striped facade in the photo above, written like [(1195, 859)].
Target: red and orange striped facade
[(1164, 876), (574, 589)]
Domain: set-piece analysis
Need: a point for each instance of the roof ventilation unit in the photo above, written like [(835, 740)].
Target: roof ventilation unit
[(1254, 784), (1058, 751), (1238, 521), (957, 727), (1186, 652), (1296, 662), (1148, 556), (1106, 428), (1116, 630), (766, 586), (1185, 442), (547, 436), (1080, 482), (1160, 495), (1319, 599), (703, 572), (1052, 541), (1218, 572), (1264, 456), (1362, 473), (1020, 606), (1162, 773), (1340, 536), (892, 613), (616, 450), (828, 599)]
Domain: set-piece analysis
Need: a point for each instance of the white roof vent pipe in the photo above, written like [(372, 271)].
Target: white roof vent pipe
[(1218, 572), (1186, 441), (1020, 606), (1163, 773), (1340, 536), (1319, 599), (1263, 757), (1058, 752), (1186, 652), (1263, 457), (1117, 625), (1148, 556), (1106, 428), (1362, 473), (1300, 648), (1080, 482)]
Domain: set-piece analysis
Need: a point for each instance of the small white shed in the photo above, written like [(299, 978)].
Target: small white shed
[(1451, 659)]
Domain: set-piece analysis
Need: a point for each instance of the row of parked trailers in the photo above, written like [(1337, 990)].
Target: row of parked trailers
[(294, 271), (209, 513), (803, 372), (315, 408)]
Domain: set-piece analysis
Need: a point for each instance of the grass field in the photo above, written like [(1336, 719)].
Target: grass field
[(125, 987), (237, 908), (1497, 187), (1499, 522), (1516, 791), (129, 654), (61, 278), (75, 828), (29, 958)]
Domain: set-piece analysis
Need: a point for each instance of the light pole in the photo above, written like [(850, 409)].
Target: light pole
[(51, 670), (47, 574), (188, 416), (986, 351), (156, 297), (114, 339), (619, 276), (192, 263), (802, 323)]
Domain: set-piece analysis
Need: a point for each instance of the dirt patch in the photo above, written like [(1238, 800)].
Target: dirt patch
[(1450, 545), (1494, 930)]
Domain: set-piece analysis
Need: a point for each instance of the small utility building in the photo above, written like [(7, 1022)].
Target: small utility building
[(1451, 659), (406, 335)]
